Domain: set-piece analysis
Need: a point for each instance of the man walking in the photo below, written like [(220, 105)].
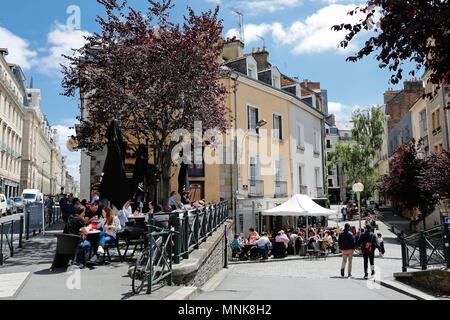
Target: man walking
[(49, 203), (347, 246), (369, 242)]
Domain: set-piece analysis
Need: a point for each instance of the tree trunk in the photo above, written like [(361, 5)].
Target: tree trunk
[(165, 187)]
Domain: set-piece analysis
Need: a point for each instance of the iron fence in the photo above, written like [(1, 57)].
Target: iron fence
[(10, 240), (193, 227), (12, 233), (424, 249)]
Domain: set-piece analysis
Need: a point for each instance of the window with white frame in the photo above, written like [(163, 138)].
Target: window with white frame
[(317, 177), (300, 139), (253, 118), (277, 127), (316, 142)]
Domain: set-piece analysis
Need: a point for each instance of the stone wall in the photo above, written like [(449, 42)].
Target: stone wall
[(205, 262), (433, 281)]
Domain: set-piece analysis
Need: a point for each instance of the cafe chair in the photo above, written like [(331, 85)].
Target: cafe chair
[(279, 250), (236, 253), (110, 246), (67, 246), (133, 237)]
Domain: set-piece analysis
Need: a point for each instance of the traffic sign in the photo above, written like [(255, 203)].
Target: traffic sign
[(447, 220)]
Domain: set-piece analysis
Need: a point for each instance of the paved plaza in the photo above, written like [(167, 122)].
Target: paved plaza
[(27, 276)]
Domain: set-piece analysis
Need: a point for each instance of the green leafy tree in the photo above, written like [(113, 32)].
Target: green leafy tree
[(355, 159)]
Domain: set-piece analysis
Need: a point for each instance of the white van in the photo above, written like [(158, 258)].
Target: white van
[(32, 195), (3, 205)]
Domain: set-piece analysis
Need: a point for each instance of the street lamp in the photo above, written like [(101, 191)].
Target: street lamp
[(358, 188)]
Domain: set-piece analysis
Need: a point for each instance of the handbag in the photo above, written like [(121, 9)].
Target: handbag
[(367, 247)]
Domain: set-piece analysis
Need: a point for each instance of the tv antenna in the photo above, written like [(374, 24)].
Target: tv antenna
[(240, 23), (263, 40)]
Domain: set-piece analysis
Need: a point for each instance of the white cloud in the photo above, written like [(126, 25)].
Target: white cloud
[(341, 111), (61, 40), (269, 5), (312, 35), (73, 158), (18, 48)]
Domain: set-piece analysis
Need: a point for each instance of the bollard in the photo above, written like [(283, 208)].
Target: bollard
[(1, 245), (11, 248), (27, 226), (423, 251), (21, 232), (226, 248)]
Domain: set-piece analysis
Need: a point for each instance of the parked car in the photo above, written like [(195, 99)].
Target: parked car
[(32, 195), (11, 207), (19, 204), (3, 205)]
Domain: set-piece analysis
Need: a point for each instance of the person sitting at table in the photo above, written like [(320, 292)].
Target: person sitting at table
[(264, 246), (237, 242), (110, 225), (124, 214), (76, 225), (292, 235), (254, 236), (281, 237), (327, 241), (93, 213)]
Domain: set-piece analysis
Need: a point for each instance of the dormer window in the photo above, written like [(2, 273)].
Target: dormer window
[(276, 82)]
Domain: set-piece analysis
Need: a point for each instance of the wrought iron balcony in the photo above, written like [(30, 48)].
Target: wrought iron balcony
[(280, 188), (256, 188), (303, 189), (320, 192)]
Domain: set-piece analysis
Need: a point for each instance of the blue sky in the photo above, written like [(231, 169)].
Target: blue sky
[(296, 32)]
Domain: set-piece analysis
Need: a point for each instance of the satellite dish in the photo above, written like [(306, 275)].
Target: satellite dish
[(72, 145)]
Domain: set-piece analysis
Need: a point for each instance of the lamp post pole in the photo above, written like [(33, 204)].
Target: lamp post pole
[(358, 188), (235, 78)]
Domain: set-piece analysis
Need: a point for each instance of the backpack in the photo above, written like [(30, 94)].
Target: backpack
[(367, 247)]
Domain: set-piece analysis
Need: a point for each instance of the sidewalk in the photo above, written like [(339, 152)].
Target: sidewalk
[(398, 222), (26, 276)]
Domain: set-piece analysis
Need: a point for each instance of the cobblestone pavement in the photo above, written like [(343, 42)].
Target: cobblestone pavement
[(306, 279)]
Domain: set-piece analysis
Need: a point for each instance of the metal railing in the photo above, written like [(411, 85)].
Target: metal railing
[(8, 241), (280, 188), (303, 189), (256, 188), (194, 227), (12, 233), (320, 192), (424, 249)]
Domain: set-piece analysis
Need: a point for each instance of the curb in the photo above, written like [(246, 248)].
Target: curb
[(186, 293), (405, 289)]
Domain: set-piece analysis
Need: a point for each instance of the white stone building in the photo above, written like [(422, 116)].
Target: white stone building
[(11, 120)]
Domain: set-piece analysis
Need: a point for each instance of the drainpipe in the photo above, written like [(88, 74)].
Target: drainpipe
[(447, 137), (322, 133)]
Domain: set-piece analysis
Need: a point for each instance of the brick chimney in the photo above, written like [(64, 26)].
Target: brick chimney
[(233, 48), (262, 59)]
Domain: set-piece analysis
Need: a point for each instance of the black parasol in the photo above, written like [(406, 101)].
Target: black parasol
[(114, 185), (140, 184)]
